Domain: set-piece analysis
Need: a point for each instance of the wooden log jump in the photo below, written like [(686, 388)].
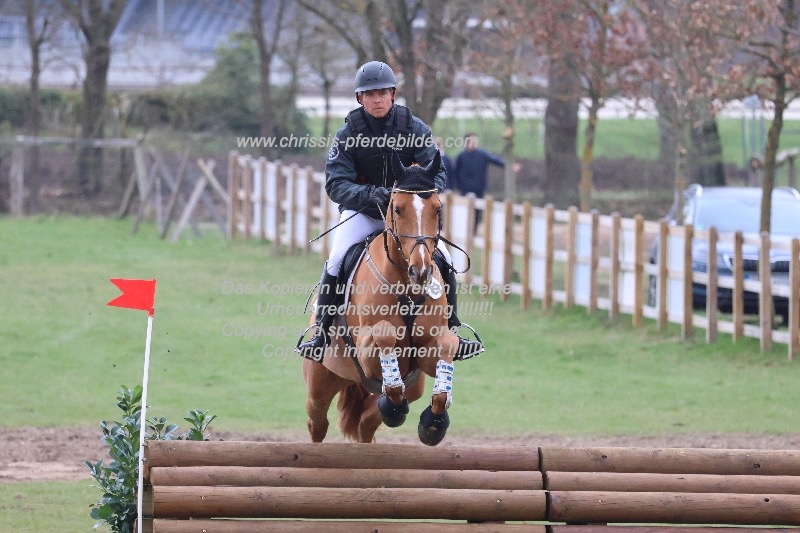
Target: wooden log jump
[(262, 487)]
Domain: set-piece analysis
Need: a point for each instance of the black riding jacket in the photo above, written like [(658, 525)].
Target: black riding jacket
[(360, 157)]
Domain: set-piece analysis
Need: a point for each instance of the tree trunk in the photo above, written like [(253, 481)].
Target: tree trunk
[(509, 176), (668, 133), (771, 151), (90, 158), (34, 116), (562, 166), (588, 155), (706, 154)]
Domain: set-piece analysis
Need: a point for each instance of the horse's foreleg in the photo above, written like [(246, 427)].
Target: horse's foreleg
[(434, 420), (392, 404)]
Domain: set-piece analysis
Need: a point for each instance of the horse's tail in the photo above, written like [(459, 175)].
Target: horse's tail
[(351, 405)]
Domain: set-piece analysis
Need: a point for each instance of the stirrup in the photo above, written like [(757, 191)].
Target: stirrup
[(309, 351), (468, 349)]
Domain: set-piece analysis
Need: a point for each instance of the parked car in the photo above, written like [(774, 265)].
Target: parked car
[(731, 209)]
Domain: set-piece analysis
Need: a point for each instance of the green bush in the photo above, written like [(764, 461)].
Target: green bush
[(14, 104), (118, 480)]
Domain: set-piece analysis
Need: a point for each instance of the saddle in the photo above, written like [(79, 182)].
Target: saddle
[(353, 257)]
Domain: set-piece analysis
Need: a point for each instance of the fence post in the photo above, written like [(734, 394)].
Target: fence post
[(638, 272), (711, 287), (547, 298), (294, 183), (325, 216), (525, 272), (738, 287), (488, 214), (794, 300), (249, 198), (765, 295), (508, 257), (280, 193), (686, 326), (470, 247), (613, 278), (662, 275), (233, 192), (309, 208), (594, 262), (569, 272)]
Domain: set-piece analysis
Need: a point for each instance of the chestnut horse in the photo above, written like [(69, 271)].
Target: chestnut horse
[(394, 328)]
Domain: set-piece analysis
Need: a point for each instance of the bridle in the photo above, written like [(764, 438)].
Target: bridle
[(419, 240)]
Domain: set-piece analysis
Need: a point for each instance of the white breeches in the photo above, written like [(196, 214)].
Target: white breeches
[(354, 230)]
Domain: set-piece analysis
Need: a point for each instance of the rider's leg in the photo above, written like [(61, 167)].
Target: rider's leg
[(327, 301), (466, 348), (328, 296)]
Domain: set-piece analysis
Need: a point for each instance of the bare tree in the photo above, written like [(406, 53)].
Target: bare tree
[(423, 39), (690, 52), (771, 36), (610, 53), (39, 22), (267, 34), (96, 20), (324, 62), (358, 24), (502, 49), (562, 166)]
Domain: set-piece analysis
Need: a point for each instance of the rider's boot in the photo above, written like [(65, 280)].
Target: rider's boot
[(466, 348), (327, 300)]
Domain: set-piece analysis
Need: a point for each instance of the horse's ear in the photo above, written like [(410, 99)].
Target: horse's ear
[(433, 168), (397, 168)]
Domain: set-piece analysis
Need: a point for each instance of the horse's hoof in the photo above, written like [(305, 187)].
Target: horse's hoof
[(392, 415), (432, 428)]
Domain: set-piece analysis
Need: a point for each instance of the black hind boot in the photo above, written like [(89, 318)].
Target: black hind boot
[(327, 301)]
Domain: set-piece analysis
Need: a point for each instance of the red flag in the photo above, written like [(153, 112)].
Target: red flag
[(136, 294)]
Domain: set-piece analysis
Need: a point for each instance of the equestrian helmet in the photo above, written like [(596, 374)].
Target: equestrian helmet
[(374, 75)]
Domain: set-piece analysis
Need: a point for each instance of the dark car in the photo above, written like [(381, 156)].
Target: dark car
[(731, 209)]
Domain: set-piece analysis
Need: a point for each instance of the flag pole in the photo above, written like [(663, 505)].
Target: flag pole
[(139, 294), (143, 420)]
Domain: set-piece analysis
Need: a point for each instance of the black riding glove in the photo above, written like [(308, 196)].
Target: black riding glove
[(380, 196)]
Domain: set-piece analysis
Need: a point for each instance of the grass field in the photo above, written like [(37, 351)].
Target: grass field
[(55, 506), (571, 372), (65, 354)]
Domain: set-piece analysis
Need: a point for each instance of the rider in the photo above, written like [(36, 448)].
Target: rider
[(359, 179)]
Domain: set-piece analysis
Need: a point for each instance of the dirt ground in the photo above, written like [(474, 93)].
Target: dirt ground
[(44, 454)]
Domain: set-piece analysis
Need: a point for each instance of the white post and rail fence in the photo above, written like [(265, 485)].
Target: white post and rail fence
[(553, 256)]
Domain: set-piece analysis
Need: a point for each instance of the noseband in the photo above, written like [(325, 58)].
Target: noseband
[(419, 239)]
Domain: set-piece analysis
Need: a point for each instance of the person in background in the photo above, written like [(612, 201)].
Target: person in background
[(447, 163), (471, 167)]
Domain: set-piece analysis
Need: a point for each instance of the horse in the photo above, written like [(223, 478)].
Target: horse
[(393, 330)]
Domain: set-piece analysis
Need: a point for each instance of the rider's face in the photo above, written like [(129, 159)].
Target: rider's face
[(377, 102)]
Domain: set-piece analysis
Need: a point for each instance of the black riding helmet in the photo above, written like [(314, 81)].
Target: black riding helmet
[(374, 75)]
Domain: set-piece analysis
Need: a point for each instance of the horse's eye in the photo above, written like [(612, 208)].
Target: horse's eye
[(397, 210)]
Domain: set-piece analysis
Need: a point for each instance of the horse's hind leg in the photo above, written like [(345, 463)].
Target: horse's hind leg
[(370, 420), (321, 387)]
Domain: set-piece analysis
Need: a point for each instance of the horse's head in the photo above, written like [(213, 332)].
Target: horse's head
[(414, 216)]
